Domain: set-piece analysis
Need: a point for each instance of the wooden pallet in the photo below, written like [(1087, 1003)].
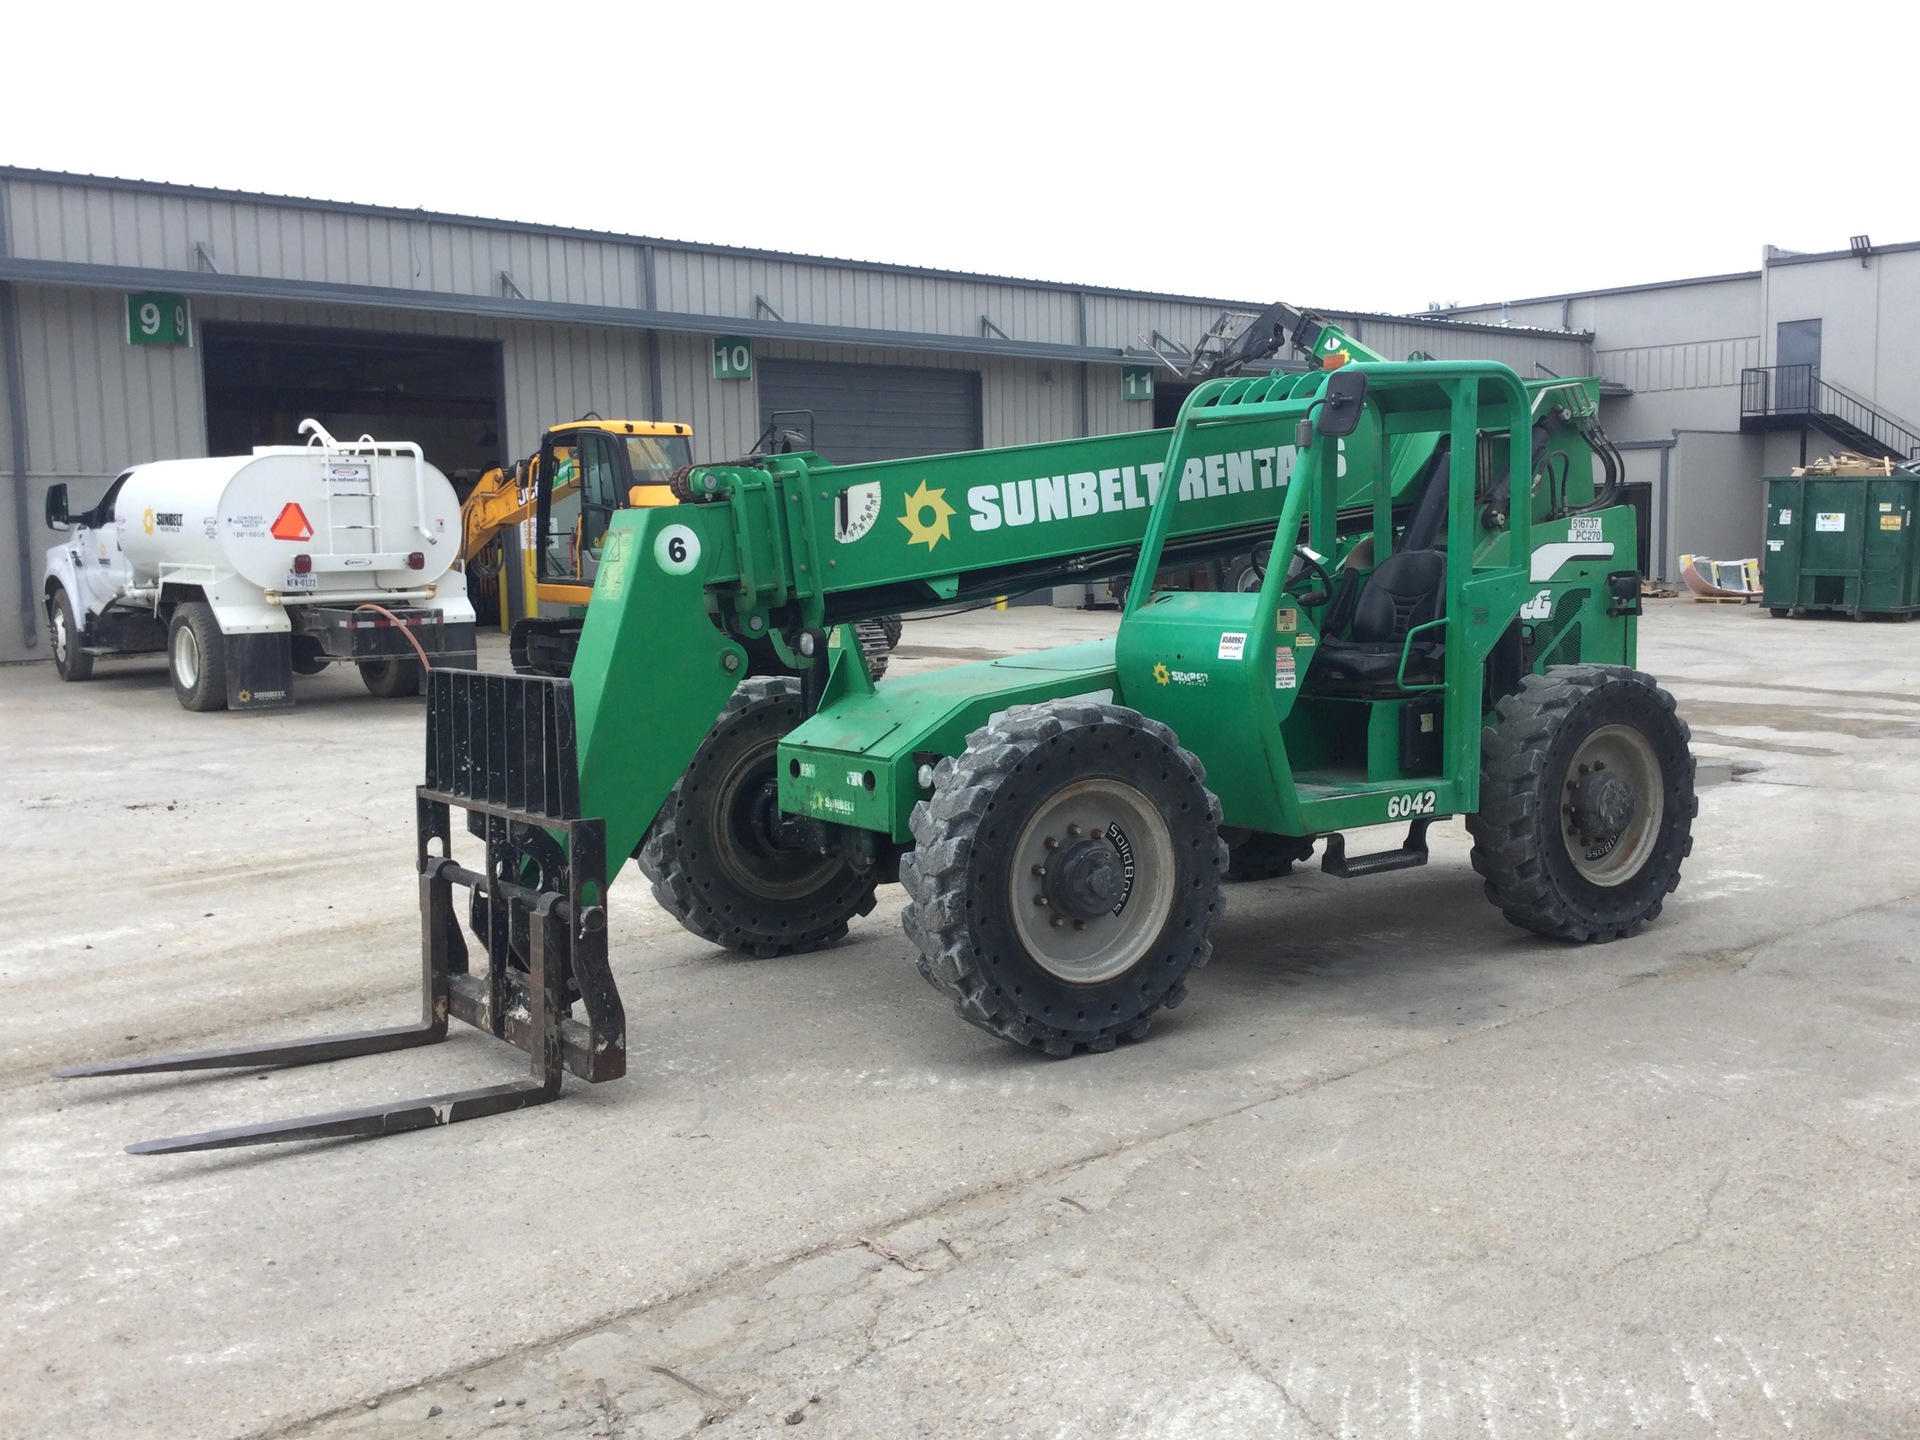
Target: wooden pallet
[(1725, 599)]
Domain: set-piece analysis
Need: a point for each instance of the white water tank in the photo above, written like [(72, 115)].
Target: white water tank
[(293, 519)]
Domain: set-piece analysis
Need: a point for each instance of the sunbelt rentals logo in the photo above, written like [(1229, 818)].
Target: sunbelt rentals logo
[(926, 517)]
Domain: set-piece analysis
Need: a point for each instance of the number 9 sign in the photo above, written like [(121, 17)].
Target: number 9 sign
[(677, 549)]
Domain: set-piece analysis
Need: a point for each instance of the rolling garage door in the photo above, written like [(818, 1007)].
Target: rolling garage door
[(875, 412)]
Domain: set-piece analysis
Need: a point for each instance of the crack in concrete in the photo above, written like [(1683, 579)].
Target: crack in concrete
[(1226, 1339)]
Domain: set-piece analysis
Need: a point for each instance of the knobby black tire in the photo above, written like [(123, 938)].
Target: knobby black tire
[(956, 877), (679, 852), (1519, 844), (1257, 855)]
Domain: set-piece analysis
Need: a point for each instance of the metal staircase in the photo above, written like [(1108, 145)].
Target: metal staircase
[(1794, 397)]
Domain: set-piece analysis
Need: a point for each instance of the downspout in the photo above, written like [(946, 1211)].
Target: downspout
[(654, 403), (17, 433), (1086, 369)]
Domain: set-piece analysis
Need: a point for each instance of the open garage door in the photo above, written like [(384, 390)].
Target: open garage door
[(875, 412), (263, 380)]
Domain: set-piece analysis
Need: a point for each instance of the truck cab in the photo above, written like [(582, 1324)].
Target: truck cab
[(86, 585)]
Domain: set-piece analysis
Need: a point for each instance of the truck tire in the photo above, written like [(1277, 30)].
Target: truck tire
[(720, 860), (308, 657), (1066, 875), (393, 678), (197, 657), (1586, 802), (69, 659)]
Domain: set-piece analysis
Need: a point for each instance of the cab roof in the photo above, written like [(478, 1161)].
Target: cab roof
[(623, 427)]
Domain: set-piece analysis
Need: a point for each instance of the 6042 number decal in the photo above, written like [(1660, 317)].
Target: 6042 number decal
[(1420, 802)]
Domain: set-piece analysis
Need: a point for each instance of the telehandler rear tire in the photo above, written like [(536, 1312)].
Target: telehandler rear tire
[(1065, 876), (1586, 802), (721, 861), (1256, 855)]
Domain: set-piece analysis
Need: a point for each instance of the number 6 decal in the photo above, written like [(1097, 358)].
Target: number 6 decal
[(677, 549)]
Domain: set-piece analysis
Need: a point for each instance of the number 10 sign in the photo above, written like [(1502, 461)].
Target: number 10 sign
[(156, 319)]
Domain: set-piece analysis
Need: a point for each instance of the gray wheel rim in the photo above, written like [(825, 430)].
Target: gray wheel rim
[(60, 634), (1605, 860), (1089, 951), (186, 657)]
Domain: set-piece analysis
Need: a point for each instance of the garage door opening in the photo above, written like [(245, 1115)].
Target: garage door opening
[(874, 412), (262, 381)]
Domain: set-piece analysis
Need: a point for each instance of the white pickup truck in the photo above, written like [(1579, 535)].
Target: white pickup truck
[(247, 570)]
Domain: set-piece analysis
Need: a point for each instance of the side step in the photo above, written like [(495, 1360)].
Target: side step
[(1412, 852), (500, 747)]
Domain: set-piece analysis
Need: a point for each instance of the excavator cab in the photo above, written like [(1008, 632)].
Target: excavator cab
[(599, 467)]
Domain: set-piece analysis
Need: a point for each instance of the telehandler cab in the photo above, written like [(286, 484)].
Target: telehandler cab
[(1447, 628)]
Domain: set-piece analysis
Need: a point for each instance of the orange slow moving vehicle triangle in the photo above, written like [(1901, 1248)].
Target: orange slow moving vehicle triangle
[(291, 524)]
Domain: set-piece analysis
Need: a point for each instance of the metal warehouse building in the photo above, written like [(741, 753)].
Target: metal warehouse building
[(145, 321)]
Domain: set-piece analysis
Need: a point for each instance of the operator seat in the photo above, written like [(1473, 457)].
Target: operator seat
[(1405, 590)]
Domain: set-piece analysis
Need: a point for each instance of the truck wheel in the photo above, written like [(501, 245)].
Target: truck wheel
[(723, 860), (1065, 875), (69, 659), (308, 657), (197, 657), (393, 678), (1256, 855), (1586, 802)]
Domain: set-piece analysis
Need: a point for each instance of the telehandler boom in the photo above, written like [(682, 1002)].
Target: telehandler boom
[(1447, 628)]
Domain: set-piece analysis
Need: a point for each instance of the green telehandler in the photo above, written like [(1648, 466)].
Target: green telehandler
[(1446, 627)]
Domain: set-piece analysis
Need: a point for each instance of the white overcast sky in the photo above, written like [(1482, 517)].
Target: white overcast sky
[(1361, 154)]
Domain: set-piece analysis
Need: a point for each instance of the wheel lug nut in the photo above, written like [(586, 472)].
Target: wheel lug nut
[(1073, 829), (1039, 869), (1079, 924), (1056, 921), (1051, 843)]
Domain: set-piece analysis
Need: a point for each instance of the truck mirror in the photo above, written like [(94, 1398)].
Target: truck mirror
[(1340, 402), (57, 518)]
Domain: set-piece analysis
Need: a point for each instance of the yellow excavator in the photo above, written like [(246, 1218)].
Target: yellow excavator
[(597, 467)]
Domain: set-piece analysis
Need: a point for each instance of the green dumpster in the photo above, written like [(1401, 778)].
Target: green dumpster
[(1843, 543)]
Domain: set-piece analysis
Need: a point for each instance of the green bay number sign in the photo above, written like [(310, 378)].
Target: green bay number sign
[(732, 358), (157, 319)]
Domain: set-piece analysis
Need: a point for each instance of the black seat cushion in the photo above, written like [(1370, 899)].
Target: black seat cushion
[(1404, 592)]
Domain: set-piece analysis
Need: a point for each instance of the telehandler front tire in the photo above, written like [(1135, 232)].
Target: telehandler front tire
[(69, 659), (1065, 876), (722, 861), (1586, 802), (197, 657)]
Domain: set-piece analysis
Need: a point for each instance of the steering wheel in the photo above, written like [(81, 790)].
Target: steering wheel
[(1307, 565)]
